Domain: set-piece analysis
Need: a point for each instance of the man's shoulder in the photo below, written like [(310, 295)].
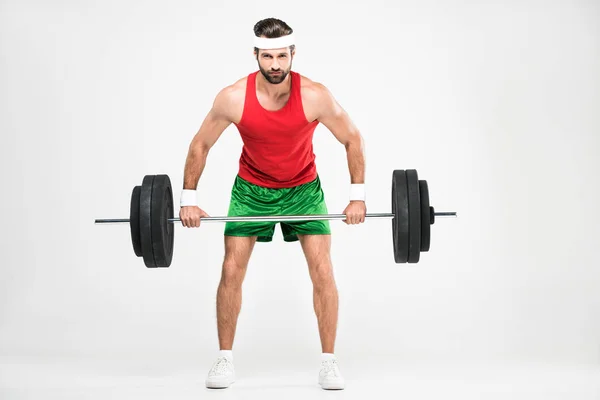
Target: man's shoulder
[(232, 94), (309, 84), (235, 89), (313, 90), (229, 101)]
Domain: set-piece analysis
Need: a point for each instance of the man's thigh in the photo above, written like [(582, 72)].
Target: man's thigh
[(317, 250), (248, 199), (307, 199)]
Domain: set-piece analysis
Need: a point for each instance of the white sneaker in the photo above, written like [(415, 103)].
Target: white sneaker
[(330, 376), (221, 375)]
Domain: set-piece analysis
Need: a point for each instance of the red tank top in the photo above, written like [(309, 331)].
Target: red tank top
[(278, 148)]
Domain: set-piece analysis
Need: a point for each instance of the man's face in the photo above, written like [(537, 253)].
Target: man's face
[(275, 64)]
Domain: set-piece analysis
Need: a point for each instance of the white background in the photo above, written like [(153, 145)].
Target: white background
[(495, 103)]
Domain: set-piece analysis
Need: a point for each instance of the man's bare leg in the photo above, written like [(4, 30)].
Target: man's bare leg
[(229, 304), (229, 293), (325, 295), (325, 298)]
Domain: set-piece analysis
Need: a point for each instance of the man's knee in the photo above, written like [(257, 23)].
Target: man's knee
[(322, 274), (233, 273)]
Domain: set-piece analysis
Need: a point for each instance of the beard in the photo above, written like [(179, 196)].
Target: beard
[(274, 79)]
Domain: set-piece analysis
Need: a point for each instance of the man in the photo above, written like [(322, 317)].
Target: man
[(276, 111)]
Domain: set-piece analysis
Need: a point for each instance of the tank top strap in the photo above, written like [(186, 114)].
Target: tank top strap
[(251, 99), (296, 94), (296, 97)]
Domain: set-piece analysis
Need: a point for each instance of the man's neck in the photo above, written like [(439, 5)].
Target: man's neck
[(274, 91)]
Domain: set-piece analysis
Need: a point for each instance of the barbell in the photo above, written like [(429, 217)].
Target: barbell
[(151, 218)]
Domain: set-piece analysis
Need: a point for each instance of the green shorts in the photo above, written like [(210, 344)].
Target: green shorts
[(250, 199)]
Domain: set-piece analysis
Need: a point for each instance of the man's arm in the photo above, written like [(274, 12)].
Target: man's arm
[(335, 118), (216, 121)]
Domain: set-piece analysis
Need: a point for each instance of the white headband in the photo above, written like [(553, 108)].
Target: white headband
[(273, 43)]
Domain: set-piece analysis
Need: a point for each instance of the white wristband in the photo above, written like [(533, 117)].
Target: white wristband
[(188, 198), (357, 191)]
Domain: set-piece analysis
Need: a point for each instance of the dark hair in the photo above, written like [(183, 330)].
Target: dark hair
[(272, 28)]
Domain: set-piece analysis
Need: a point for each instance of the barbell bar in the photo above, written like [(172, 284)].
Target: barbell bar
[(275, 218), (151, 218)]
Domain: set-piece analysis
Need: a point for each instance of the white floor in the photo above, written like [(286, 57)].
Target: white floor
[(72, 379)]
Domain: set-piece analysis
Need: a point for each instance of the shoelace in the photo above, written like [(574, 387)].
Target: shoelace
[(330, 366), (220, 367)]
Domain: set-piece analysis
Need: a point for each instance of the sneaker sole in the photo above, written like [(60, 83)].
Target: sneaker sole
[(333, 385), (218, 385)]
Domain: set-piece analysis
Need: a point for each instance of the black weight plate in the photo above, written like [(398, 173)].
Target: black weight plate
[(425, 217), (414, 216), (163, 232), (134, 221), (146, 221), (400, 220)]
